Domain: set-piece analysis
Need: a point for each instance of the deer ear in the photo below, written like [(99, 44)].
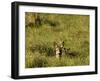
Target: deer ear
[(63, 43)]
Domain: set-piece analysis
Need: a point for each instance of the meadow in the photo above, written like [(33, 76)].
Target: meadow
[(43, 29)]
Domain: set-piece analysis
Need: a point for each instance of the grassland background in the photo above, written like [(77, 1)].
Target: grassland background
[(39, 38)]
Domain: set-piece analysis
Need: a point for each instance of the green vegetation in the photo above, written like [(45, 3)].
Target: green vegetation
[(43, 29)]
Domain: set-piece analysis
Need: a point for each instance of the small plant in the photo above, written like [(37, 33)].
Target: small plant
[(39, 61), (36, 60)]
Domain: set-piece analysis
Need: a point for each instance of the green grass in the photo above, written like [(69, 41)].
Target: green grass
[(72, 29)]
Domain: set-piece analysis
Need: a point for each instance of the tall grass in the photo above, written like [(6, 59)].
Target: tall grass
[(72, 29)]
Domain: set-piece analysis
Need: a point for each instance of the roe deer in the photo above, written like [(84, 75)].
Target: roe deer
[(58, 47)]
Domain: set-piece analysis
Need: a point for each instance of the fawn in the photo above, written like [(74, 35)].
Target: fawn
[(58, 47)]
